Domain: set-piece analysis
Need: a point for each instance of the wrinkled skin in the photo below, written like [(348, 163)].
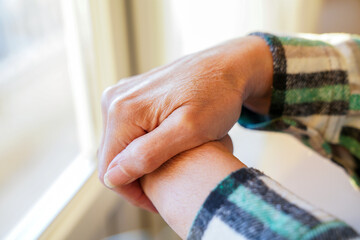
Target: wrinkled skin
[(154, 116)]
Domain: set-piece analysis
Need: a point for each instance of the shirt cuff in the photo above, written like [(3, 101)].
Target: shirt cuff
[(313, 96), (249, 205)]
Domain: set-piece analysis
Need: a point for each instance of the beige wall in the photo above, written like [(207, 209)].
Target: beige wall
[(340, 16)]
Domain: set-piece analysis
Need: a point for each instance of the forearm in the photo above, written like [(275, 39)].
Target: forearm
[(181, 185), (196, 190)]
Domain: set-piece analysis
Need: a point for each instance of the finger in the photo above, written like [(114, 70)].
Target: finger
[(107, 98), (148, 152), (104, 121), (104, 110), (118, 136), (114, 142), (134, 194)]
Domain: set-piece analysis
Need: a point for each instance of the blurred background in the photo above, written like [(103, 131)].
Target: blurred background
[(56, 58)]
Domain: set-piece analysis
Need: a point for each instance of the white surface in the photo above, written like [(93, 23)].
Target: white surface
[(300, 170), (216, 225)]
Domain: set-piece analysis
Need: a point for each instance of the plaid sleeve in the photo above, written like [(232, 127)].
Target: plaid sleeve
[(249, 205), (316, 95)]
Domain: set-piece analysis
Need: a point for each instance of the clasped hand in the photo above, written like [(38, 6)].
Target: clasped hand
[(150, 118)]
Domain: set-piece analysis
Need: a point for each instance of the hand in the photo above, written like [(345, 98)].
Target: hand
[(180, 186), (151, 117)]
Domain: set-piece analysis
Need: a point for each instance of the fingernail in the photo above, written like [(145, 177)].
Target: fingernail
[(116, 176), (107, 181)]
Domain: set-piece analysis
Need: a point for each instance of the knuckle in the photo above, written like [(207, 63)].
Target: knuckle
[(107, 92), (113, 108), (106, 96), (144, 166), (120, 101), (129, 171), (126, 107), (119, 106)]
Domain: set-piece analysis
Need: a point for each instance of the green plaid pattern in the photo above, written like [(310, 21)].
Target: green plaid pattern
[(249, 205), (316, 98)]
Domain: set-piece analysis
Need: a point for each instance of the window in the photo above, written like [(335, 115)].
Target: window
[(38, 127), (56, 58)]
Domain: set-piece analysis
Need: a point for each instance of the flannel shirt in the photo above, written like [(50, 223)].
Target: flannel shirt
[(316, 98)]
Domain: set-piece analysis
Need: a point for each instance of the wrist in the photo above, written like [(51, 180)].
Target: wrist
[(260, 80), (246, 63), (251, 65), (181, 185)]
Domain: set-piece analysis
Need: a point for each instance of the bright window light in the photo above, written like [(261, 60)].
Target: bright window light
[(38, 129)]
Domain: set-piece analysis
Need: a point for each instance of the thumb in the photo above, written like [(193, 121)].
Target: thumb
[(176, 134)]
